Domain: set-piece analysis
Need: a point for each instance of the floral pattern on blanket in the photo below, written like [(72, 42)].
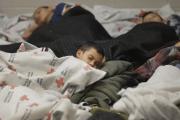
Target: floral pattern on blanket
[(33, 82), (43, 67), (23, 103)]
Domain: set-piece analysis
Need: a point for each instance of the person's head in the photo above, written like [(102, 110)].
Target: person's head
[(151, 17), (90, 53), (41, 14)]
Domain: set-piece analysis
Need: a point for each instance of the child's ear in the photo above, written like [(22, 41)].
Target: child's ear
[(78, 53)]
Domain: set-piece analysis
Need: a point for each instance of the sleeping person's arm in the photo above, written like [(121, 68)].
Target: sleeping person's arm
[(29, 30)]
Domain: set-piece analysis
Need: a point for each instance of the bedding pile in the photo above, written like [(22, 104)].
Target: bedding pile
[(34, 82), (39, 82)]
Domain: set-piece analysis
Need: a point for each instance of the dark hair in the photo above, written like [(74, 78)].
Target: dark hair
[(150, 12), (88, 45)]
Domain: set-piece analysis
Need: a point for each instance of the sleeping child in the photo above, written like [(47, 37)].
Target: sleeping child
[(39, 84), (45, 14), (90, 53), (152, 16)]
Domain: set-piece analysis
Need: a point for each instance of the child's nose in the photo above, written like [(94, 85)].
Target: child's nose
[(92, 63)]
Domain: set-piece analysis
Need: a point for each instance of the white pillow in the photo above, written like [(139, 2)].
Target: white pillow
[(166, 11)]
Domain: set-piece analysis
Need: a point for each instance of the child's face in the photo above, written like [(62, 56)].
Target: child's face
[(152, 17), (91, 56), (42, 14)]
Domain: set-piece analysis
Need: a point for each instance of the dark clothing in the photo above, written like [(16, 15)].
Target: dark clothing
[(136, 46), (77, 23), (11, 48), (78, 11), (143, 41), (103, 93), (105, 114), (57, 13)]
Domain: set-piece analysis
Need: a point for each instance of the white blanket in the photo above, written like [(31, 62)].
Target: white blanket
[(118, 21), (23, 103), (155, 99), (34, 83), (11, 29), (43, 67)]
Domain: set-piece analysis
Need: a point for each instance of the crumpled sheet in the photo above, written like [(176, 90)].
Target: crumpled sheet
[(156, 99), (11, 29)]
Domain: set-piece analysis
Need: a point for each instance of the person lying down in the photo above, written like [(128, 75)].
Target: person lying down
[(33, 81), (47, 14)]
